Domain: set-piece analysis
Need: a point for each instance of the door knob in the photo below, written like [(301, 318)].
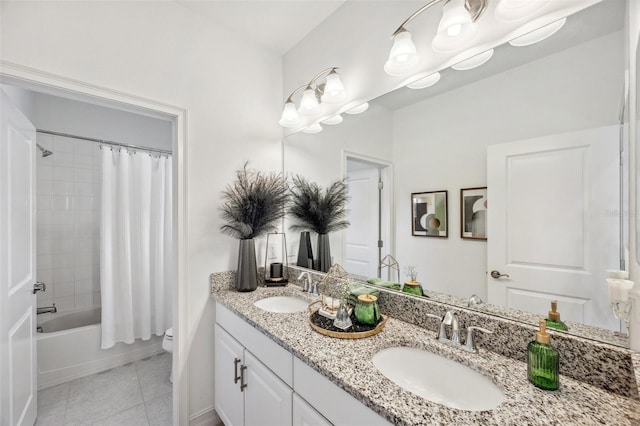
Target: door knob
[(39, 286), (497, 274)]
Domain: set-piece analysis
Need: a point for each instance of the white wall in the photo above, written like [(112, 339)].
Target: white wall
[(93, 121), (23, 99), (320, 158), (163, 52), (441, 143)]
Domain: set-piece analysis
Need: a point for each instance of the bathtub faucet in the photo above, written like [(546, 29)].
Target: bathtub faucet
[(47, 310)]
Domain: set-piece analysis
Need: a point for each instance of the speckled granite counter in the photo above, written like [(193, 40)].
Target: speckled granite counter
[(347, 363)]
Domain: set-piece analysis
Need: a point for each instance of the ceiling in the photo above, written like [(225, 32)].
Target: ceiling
[(277, 25)]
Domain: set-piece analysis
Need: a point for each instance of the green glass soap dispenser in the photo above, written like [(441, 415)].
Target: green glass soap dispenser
[(553, 320), (543, 361)]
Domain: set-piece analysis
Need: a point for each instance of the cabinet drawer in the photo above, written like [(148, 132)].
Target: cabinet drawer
[(274, 356), (338, 406)]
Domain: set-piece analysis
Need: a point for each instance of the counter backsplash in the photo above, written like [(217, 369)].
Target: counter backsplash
[(598, 364)]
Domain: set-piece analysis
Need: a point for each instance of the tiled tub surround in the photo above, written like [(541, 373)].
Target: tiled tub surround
[(347, 363)]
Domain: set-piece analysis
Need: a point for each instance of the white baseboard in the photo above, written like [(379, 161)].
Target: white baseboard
[(206, 417)]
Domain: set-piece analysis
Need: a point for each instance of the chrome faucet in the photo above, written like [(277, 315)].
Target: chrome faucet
[(450, 319), (308, 285), (47, 310)]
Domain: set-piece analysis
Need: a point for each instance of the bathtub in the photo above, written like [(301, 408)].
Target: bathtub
[(69, 347)]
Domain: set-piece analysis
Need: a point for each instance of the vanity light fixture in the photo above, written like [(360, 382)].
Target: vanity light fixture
[(474, 61), (456, 28), (336, 119), (314, 128), (514, 10), (426, 81), (539, 34), (359, 109), (315, 92)]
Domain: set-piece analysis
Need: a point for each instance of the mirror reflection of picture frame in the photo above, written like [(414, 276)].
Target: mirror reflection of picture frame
[(429, 214), (473, 213)]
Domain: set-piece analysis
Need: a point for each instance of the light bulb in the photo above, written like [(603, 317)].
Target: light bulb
[(426, 81), (403, 56), (336, 119), (539, 34), (333, 89), (309, 101), (314, 128), (359, 109), (290, 117), (474, 61)]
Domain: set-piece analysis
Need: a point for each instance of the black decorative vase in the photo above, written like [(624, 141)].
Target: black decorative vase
[(247, 277), (305, 252), (323, 263)]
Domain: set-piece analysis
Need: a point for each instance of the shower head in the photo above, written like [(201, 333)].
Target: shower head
[(45, 152)]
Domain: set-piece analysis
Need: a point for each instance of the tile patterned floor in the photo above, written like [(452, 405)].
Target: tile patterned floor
[(135, 394)]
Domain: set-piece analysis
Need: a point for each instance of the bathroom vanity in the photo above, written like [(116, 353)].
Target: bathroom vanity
[(293, 375)]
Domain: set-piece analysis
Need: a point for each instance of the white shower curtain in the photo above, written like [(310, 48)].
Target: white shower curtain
[(136, 245)]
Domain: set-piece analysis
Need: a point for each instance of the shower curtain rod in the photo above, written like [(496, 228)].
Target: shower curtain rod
[(124, 145)]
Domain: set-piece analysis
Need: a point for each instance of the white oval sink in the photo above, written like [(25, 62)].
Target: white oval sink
[(438, 379), (282, 304)]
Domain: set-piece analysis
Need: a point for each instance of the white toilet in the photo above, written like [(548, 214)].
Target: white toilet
[(167, 345)]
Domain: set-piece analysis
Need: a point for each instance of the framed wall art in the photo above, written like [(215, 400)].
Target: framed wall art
[(473, 213), (429, 214)]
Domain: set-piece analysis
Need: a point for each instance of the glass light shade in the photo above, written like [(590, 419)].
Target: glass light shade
[(314, 128), (456, 28), (474, 61), (359, 109), (403, 57), (515, 10), (309, 102), (538, 35), (290, 117), (333, 89), (454, 17), (424, 82), (336, 119)]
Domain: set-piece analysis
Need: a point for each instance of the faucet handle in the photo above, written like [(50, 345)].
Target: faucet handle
[(470, 344), (441, 329)]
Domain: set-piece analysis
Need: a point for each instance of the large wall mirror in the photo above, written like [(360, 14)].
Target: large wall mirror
[(539, 126)]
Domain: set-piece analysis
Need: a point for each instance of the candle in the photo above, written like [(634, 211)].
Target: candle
[(276, 270), (619, 289)]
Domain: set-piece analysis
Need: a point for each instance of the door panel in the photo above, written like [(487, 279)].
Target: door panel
[(229, 400), (551, 223), (267, 399), (17, 267), (362, 234)]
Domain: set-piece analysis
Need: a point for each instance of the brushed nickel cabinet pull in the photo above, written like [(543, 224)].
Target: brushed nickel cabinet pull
[(242, 383), (235, 370)]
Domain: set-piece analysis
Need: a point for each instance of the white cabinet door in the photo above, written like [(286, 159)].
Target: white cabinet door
[(228, 361), (551, 227), (305, 415), (17, 267), (267, 399)]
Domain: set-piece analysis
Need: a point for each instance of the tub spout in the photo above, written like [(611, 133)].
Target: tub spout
[(47, 310)]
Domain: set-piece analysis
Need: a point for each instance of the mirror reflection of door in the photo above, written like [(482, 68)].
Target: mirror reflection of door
[(553, 223), (367, 238)]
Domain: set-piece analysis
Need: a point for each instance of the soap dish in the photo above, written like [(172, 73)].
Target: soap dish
[(324, 325)]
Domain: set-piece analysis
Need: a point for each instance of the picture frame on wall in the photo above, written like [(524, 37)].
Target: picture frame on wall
[(473, 213), (429, 214)]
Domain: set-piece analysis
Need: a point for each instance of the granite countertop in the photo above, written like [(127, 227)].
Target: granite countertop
[(347, 363)]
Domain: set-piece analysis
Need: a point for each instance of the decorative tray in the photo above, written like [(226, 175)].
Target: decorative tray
[(325, 326)]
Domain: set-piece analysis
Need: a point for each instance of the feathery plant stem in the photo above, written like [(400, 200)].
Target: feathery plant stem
[(318, 210), (253, 203)]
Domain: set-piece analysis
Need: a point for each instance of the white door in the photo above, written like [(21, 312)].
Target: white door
[(18, 390), (228, 361), (553, 223), (267, 399), (362, 234)]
